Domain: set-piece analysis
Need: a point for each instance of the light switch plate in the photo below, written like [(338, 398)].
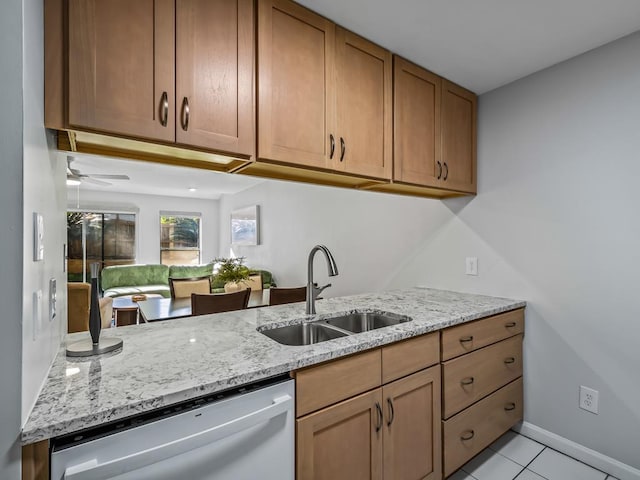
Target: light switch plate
[(52, 299), (38, 237), (471, 266)]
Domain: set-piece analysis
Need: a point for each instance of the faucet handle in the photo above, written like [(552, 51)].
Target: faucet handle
[(317, 290)]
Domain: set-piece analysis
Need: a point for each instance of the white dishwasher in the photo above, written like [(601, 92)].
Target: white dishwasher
[(242, 434)]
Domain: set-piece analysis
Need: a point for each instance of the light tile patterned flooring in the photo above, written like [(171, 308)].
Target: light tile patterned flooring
[(516, 457)]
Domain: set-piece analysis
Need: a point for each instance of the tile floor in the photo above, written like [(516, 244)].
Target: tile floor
[(516, 457)]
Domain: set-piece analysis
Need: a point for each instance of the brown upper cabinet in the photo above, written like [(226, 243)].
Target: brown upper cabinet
[(175, 71), (434, 130), (324, 94)]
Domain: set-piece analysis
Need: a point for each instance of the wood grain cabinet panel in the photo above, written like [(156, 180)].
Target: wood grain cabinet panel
[(417, 94), (471, 336), (121, 76), (471, 377), (472, 430), (412, 444), (459, 108), (342, 442), (408, 356), (295, 83), (363, 133), (214, 75)]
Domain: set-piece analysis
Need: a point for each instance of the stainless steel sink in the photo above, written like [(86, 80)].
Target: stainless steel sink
[(303, 334), (365, 321)]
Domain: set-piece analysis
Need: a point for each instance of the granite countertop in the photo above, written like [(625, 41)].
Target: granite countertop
[(166, 362)]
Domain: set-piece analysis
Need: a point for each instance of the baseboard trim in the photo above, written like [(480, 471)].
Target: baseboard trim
[(580, 452)]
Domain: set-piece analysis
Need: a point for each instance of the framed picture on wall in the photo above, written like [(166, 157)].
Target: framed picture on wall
[(245, 226)]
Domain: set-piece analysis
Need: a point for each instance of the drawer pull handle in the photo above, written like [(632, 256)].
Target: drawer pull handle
[(466, 381), (468, 435), (392, 413), (379, 412), (509, 360), (510, 324), (333, 145), (466, 339), (510, 406)]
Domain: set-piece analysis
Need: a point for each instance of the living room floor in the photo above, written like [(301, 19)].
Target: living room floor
[(516, 457)]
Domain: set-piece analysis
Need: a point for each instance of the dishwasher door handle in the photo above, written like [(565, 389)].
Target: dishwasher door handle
[(92, 470)]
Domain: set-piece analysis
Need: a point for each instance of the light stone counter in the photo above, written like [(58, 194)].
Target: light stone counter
[(167, 362)]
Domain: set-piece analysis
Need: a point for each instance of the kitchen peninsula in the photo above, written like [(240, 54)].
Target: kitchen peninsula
[(169, 362)]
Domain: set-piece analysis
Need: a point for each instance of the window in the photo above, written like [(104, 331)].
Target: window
[(180, 238), (106, 238)]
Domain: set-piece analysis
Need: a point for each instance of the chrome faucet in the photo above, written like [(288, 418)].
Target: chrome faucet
[(312, 288)]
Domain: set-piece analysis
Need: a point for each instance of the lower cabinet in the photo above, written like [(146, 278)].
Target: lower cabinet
[(391, 432)]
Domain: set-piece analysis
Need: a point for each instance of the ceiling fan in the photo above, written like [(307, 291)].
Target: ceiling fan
[(76, 177)]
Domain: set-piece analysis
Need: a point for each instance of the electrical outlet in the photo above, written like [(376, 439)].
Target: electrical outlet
[(471, 266), (588, 399)]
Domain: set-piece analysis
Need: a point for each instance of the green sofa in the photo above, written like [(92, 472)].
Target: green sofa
[(122, 280)]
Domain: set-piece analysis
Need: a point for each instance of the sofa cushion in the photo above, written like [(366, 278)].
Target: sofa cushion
[(133, 290), (190, 271), (134, 276)]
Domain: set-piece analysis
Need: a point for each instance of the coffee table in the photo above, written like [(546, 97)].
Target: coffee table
[(126, 304)]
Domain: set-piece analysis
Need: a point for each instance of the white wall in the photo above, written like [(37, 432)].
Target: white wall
[(44, 192), (369, 234), (11, 243), (556, 222), (148, 208)]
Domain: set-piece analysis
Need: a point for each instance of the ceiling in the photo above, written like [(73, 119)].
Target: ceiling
[(484, 44), (158, 179)]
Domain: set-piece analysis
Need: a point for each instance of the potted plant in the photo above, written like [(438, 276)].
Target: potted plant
[(232, 272)]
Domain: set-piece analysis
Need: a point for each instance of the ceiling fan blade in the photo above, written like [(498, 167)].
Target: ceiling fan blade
[(86, 179), (109, 177)]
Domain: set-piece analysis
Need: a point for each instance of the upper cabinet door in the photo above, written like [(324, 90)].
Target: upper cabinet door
[(295, 75), (459, 107), (364, 107), (417, 124), (122, 67), (214, 74)]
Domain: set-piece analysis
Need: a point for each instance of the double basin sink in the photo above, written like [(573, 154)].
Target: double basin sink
[(330, 328)]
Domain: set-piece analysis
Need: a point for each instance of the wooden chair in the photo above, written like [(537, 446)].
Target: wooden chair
[(219, 302), (280, 296), (184, 287)]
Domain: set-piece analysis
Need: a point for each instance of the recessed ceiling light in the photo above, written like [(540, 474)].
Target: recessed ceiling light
[(192, 189)]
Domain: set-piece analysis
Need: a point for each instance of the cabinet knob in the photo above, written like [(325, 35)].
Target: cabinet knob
[(332, 142), (185, 114), (467, 435), (164, 109), (392, 413), (379, 412), (343, 148), (467, 381)]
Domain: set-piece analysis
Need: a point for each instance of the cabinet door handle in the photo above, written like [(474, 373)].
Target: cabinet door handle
[(343, 148), (332, 142), (509, 406), (467, 381), (392, 413), (185, 114), (164, 109), (467, 435), (379, 412), (446, 171), (466, 339), (439, 169), (510, 325), (509, 360)]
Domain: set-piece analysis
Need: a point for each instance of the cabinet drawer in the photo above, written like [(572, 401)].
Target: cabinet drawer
[(471, 336), (472, 430), (404, 358), (326, 384), (469, 378)]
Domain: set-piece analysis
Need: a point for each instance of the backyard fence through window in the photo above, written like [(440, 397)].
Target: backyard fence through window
[(180, 238)]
